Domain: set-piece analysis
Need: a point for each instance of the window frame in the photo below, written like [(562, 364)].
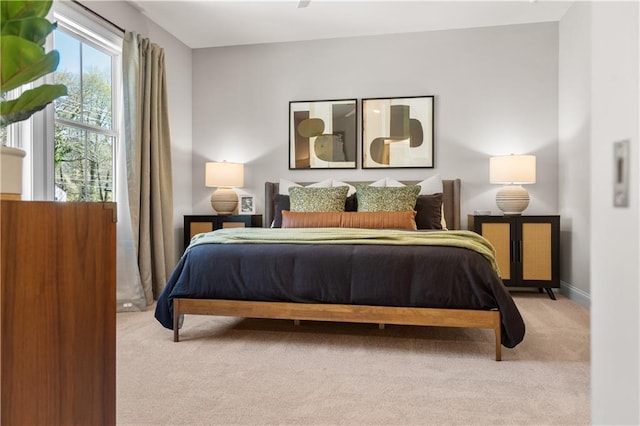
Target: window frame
[(99, 34)]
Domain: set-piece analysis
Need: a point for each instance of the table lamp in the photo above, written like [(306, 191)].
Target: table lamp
[(512, 171), (224, 176)]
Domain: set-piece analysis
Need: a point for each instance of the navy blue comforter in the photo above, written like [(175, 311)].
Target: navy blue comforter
[(410, 276)]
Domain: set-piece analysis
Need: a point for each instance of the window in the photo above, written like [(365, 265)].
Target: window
[(85, 122)]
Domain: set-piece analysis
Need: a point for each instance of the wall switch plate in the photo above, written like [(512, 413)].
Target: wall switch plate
[(621, 173)]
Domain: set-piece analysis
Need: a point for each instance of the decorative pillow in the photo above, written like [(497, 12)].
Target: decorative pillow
[(351, 205), (352, 189), (429, 211), (280, 203), (379, 220), (386, 199), (305, 199), (310, 219), (443, 220), (370, 220)]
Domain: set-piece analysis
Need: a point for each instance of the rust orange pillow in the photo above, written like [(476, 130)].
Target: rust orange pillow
[(370, 220), (379, 220), (310, 219)]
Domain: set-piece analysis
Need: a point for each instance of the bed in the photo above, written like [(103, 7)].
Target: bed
[(377, 276)]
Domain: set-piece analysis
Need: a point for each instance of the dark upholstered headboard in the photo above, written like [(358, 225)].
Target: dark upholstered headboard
[(451, 200)]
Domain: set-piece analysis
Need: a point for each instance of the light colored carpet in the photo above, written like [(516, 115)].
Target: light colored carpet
[(246, 371)]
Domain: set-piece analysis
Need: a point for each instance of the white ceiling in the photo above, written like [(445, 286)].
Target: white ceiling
[(216, 23)]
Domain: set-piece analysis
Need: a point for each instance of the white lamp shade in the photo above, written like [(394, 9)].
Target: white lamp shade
[(224, 175), (512, 169)]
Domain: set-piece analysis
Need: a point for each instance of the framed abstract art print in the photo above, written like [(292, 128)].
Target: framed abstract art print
[(397, 132), (323, 134)]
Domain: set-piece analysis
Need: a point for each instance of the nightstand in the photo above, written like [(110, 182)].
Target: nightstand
[(527, 248), (206, 223)]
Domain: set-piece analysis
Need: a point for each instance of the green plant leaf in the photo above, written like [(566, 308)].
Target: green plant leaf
[(23, 32), (19, 9), (23, 62), (33, 29), (29, 102)]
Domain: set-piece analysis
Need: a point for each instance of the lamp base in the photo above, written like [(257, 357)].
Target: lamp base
[(512, 199), (224, 201)]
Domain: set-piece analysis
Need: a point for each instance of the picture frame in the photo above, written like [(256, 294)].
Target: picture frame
[(398, 132), (246, 204), (323, 134)]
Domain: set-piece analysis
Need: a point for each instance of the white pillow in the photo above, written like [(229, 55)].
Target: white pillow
[(322, 184), (283, 188), (387, 182), (432, 185)]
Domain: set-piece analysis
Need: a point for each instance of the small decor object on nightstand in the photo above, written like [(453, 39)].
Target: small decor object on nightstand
[(512, 171), (224, 176), (247, 205)]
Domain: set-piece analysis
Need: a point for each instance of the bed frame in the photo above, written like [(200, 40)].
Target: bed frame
[(380, 315)]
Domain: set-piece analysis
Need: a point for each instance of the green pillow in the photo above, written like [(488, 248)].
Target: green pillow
[(387, 198), (310, 199)]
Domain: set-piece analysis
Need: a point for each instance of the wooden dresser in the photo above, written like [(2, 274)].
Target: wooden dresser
[(57, 318)]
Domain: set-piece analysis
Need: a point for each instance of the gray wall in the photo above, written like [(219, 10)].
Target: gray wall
[(574, 137), (496, 93)]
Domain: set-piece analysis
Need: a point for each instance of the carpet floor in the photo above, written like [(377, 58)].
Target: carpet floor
[(246, 371)]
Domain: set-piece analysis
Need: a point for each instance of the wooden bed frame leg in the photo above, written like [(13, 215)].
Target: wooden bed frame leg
[(381, 326), (498, 331), (296, 322), (176, 320)]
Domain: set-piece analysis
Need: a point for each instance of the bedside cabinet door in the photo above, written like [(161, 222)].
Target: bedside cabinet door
[(499, 235), (539, 251), (536, 251), (199, 224), (199, 228)]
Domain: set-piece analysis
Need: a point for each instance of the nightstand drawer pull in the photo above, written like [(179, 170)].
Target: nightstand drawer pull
[(520, 255)]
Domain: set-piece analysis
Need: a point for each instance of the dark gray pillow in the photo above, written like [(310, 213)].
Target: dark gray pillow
[(280, 202), (429, 211)]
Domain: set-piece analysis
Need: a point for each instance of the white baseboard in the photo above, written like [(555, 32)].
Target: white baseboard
[(579, 296)]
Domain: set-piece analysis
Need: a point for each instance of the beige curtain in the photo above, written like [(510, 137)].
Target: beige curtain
[(148, 161)]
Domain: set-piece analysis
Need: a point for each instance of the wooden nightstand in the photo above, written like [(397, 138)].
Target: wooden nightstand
[(527, 248), (206, 223)]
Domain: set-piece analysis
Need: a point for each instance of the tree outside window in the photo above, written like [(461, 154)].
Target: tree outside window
[(85, 136)]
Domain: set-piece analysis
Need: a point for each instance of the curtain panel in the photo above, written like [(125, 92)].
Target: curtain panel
[(147, 161)]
